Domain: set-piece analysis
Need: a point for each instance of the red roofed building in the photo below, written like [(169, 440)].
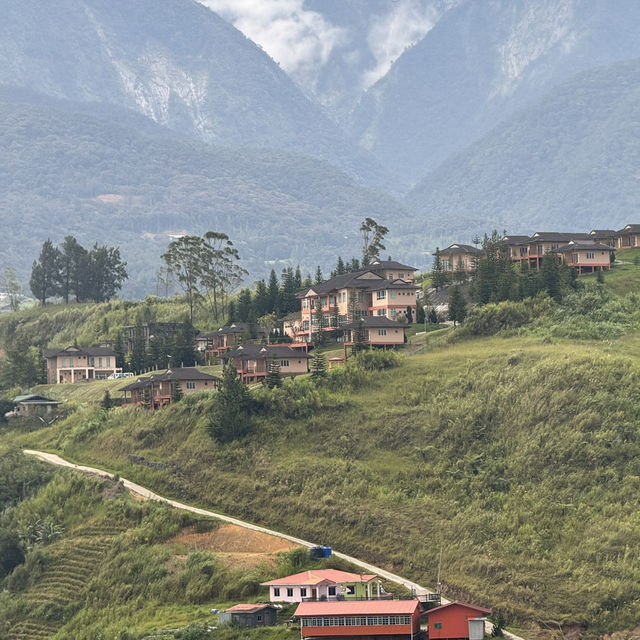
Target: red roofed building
[(324, 584), (457, 620), (368, 619)]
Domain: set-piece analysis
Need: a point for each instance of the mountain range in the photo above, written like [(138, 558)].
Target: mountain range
[(124, 122)]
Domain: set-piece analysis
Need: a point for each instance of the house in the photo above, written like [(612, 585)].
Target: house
[(378, 331), (368, 619), (324, 584), (457, 620), (74, 364), (229, 337), (350, 296), (628, 237), (155, 390), (459, 254), (518, 247), (543, 242), (606, 236), (586, 256), (148, 331), (33, 404), (252, 360), (249, 615)]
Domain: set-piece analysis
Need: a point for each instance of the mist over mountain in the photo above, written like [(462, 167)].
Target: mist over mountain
[(571, 161), (175, 62), (481, 62)]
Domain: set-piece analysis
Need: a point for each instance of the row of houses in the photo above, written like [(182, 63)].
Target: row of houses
[(335, 604), (586, 252)]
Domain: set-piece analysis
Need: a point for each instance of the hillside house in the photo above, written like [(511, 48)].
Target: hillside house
[(457, 620), (75, 364), (325, 585), (628, 237), (606, 236), (518, 247), (586, 256), (249, 615), (350, 296), (252, 360), (155, 391), (369, 619), (378, 331), (33, 404), (543, 242), (459, 254), (228, 337)]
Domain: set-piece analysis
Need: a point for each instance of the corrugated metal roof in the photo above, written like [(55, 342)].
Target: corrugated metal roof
[(459, 604), (357, 607)]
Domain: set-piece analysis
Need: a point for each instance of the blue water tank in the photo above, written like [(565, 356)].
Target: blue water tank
[(326, 551)]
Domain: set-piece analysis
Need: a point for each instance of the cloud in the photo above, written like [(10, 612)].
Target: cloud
[(299, 40), (391, 33)]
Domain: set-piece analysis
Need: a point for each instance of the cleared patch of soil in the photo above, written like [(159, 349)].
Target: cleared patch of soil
[(234, 545)]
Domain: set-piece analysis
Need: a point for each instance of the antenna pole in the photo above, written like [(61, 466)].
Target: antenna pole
[(438, 586)]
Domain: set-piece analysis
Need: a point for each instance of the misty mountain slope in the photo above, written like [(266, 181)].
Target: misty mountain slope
[(175, 62), (571, 161), (482, 61), (70, 173)]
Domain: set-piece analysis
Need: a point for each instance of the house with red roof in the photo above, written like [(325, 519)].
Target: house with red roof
[(370, 619), (457, 620), (324, 584)]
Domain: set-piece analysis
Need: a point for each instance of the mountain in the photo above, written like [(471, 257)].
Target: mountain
[(571, 161), (133, 184), (481, 62), (175, 62)]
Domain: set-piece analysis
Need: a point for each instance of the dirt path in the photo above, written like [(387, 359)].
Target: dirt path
[(52, 458)]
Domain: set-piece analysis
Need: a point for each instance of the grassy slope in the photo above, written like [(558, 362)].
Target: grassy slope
[(518, 457), (117, 571)]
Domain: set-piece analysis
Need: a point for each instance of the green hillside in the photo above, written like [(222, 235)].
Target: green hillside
[(567, 163), (95, 563)]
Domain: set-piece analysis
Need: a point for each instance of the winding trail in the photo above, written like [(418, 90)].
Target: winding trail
[(54, 459)]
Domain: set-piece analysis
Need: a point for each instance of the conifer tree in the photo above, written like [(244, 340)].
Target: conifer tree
[(231, 419), (319, 277), (176, 391), (45, 273), (439, 277), (457, 305), (273, 378), (318, 366), (106, 402)]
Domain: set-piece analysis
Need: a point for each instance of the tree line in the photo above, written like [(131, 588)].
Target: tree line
[(73, 272)]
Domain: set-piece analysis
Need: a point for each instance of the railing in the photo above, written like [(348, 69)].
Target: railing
[(346, 597)]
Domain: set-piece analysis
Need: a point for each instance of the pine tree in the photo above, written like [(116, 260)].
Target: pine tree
[(274, 293), (176, 391), (107, 402), (550, 276), (359, 337), (231, 419), (420, 313), (319, 277), (340, 268), (138, 354), (118, 347), (409, 315), (460, 273), (318, 367), (232, 313), (439, 277), (244, 305), (45, 273), (457, 305), (273, 378), (433, 316), (261, 299)]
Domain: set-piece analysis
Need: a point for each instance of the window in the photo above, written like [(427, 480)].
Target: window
[(381, 312), (332, 591), (437, 625), (393, 294), (284, 363), (276, 591), (401, 276), (108, 362), (360, 296), (590, 255), (191, 385), (303, 592), (99, 363), (382, 332), (289, 592), (259, 618), (381, 295)]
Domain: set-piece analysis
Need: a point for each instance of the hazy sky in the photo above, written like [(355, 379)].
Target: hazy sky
[(301, 40)]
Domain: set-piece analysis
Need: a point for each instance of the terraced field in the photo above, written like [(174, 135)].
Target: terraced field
[(63, 585)]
